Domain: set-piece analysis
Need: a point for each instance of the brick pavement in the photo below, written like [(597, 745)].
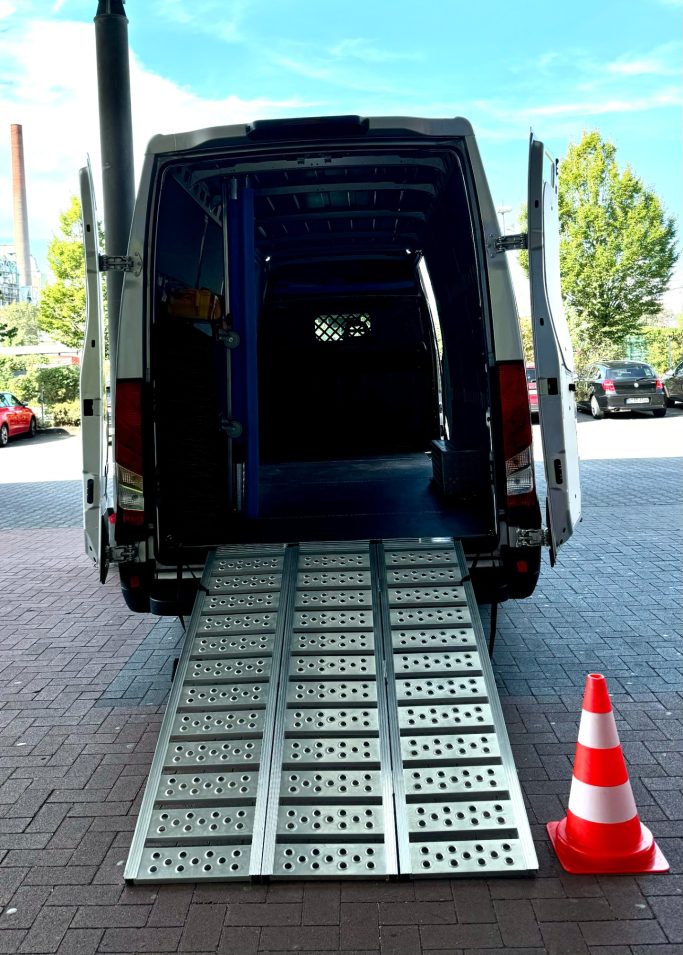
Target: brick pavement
[(81, 699)]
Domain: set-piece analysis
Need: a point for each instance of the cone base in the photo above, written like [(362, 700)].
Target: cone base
[(647, 857)]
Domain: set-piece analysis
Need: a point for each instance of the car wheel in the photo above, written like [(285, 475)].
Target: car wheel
[(659, 412), (4, 436), (32, 428), (596, 410)]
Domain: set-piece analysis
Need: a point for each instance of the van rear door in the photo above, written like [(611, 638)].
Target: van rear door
[(93, 391), (553, 351)]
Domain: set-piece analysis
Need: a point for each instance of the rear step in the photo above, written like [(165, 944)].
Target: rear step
[(334, 714)]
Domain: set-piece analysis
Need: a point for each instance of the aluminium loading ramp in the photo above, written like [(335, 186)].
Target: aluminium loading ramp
[(333, 714)]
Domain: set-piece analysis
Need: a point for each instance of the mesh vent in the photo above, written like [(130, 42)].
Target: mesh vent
[(338, 328)]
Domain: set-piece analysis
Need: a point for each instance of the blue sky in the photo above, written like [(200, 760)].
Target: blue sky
[(559, 68)]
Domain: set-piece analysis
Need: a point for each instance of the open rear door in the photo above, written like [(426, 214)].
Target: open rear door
[(93, 391), (553, 351)]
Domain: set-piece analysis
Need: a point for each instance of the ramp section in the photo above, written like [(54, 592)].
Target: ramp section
[(334, 714), (203, 812), (331, 810), (459, 807)]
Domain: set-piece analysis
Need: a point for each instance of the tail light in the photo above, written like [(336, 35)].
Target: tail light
[(608, 386), (658, 385), (128, 422), (516, 424)]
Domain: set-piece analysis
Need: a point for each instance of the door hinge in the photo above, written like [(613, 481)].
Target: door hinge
[(529, 537), (122, 553), (121, 263), (509, 243)]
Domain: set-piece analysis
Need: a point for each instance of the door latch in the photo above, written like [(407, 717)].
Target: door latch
[(122, 553)]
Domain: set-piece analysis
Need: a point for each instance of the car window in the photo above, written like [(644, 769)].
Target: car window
[(14, 400), (679, 369), (633, 371), (4, 403)]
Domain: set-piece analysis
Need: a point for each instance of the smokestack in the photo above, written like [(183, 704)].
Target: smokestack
[(21, 243)]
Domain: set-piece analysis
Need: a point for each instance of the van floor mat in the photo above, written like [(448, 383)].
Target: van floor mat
[(334, 714)]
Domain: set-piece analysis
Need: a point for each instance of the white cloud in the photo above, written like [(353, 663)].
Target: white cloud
[(6, 9), (58, 111), (361, 49)]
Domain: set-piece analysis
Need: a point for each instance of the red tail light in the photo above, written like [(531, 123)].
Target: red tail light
[(516, 425), (658, 385), (608, 386), (128, 424)]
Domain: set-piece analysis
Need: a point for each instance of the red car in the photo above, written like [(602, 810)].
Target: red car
[(531, 388), (15, 418)]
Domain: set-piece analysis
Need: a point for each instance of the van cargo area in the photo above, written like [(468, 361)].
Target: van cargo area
[(320, 345)]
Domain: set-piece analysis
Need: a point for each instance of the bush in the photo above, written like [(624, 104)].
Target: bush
[(67, 413)]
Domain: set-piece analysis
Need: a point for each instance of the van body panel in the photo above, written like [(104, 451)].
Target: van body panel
[(553, 351), (376, 411), (93, 391)]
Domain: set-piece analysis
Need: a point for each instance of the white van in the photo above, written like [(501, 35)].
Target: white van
[(319, 341)]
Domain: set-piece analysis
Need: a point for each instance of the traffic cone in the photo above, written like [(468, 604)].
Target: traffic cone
[(601, 832)]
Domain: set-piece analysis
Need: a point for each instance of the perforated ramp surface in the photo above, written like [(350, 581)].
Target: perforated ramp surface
[(334, 714)]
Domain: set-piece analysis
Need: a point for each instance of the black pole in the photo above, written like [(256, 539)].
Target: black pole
[(116, 143)]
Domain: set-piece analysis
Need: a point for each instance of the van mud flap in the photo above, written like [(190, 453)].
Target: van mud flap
[(333, 715)]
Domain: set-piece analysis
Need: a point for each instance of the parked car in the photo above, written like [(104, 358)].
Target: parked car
[(673, 384), (15, 418), (620, 386), (531, 388)]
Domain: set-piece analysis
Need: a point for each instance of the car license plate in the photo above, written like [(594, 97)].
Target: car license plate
[(637, 401)]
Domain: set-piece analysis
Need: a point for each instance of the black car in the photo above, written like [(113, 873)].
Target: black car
[(619, 386), (673, 384)]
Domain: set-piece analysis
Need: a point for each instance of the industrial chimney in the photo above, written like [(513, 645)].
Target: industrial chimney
[(21, 243)]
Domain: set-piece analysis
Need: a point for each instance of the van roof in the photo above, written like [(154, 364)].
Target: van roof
[(313, 127)]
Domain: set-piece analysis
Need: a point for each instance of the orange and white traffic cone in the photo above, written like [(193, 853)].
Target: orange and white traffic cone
[(601, 832)]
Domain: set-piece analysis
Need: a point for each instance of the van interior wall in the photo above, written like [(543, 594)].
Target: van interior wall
[(346, 376), (450, 257), (188, 372)]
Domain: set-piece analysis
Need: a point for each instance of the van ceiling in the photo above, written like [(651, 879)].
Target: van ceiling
[(334, 203)]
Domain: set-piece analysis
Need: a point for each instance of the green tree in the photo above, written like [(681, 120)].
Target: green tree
[(617, 248), (19, 324), (62, 304)]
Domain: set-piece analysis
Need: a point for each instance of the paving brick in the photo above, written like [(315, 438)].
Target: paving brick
[(48, 929), (110, 916), (25, 905), (304, 938), (621, 932), (400, 940), (171, 905), (517, 923), (203, 928), (563, 938), (460, 936), (472, 901), (239, 940), (10, 940), (80, 941), (321, 903), (359, 925), (265, 913), (572, 910), (669, 913), (151, 941), (416, 913)]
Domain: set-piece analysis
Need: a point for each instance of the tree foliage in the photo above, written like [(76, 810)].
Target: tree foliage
[(62, 304), (19, 324), (617, 248)]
